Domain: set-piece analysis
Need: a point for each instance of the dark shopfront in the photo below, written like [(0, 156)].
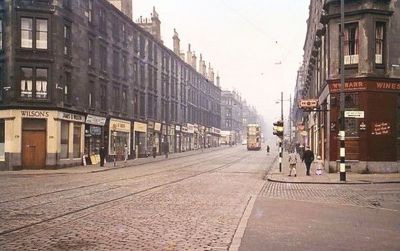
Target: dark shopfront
[(94, 137), (374, 138)]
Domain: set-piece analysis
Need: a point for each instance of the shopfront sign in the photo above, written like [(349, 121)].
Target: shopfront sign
[(95, 130), (95, 120), (157, 127), (140, 127), (190, 128), (71, 117), (381, 128), (184, 129), (120, 125), (150, 125), (354, 114), (177, 128), (308, 103), (35, 114)]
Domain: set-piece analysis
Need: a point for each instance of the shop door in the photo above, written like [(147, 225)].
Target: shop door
[(33, 149)]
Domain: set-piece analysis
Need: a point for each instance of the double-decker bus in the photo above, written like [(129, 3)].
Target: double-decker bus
[(253, 137)]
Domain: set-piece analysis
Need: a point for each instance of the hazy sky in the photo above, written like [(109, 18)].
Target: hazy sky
[(255, 45)]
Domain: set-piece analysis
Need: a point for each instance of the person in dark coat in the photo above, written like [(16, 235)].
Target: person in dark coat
[(308, 158), (154, 151), (166, 149), (268, 149), (102, 153)]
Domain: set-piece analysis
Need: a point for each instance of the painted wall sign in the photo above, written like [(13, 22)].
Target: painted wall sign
[(35, 114), (380, 128), (388, 86), (190, 128), (351, 85), (95, 120)]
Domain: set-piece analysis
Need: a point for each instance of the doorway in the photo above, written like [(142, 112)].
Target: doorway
[(33, 143)]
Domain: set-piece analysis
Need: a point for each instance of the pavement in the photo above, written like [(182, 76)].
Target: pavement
[(109, 165), (275, 175)]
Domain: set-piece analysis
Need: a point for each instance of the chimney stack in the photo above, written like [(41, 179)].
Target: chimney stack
[(176, 42)]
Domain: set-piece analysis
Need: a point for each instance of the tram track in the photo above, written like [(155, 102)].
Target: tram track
[(27, 227), (196, 161)]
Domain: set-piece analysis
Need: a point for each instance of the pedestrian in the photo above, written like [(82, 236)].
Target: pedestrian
[(292, 163), (320, 166), (166, 149), (308, 158), (102, 153), (267, 149), (126, 152), (154, 151)]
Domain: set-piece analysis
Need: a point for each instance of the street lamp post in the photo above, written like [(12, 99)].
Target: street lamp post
[(342, 118), (280, 142)]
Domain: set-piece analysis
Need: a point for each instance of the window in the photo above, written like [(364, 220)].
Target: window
[(124, 67), (136, 104), (41, 83), (67, 4), (91, 97), (33, 82), (64, 139), (142, 76), (135, 73), (398, 116), (26, 82), (67, 40), (351, 43), (90, 11), (2, 139), (91, 52), (115, 65), (103, 97), (26, 32), (379, 42), (102, 21), (142, 105), (124, 100), (103, 58), (1, 34), (77, 141), (116, 98), (67, 87), (41, 33)]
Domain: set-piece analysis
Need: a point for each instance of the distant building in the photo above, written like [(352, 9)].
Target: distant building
[(231, 115), (372, 83)]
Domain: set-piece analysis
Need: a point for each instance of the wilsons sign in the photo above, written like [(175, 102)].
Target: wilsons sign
[(34, 114)]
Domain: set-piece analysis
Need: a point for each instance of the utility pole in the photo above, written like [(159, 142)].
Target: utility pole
[(290, 121), (342, 118)]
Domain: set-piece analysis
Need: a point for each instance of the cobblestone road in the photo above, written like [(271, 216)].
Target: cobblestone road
[(192, 203), (371, 195)]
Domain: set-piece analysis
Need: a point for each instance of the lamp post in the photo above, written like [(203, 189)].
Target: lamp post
[(342, 118)]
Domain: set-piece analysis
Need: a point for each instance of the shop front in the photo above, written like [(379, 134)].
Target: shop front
[(171, 138), (196, 137), (140, 130), (370, 108), (94, 138), (178, 139), (190, 131), (150, 137), (157, 137), (120, 133), (185, 138), (39, 139)]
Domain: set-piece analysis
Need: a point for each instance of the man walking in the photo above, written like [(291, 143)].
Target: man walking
[(102, 153), (292, 163), (308, 158)]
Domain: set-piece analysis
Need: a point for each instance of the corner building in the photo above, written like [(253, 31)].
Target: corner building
[(76, 75), (372, 83)]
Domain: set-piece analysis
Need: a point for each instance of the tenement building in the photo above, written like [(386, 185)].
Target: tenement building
[(231, 117), (78, 75), (372, 84)]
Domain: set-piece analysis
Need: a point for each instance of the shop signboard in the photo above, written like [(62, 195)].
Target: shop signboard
[(120, 125), (140, 127), (190, 128), (71, 117), (95, 120), (177, 128), (157, 127), (95, 130), (150, 125)]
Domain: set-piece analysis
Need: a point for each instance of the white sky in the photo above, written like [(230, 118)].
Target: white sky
[(243, 39)]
